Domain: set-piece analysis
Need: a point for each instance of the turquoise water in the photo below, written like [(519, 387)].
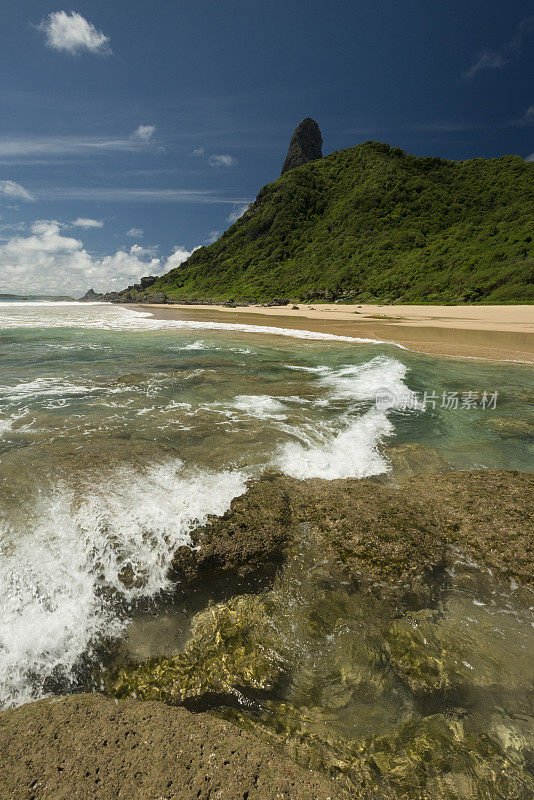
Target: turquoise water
[(118, 433)]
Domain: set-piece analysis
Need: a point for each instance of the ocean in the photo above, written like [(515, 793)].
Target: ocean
[(119, 433)]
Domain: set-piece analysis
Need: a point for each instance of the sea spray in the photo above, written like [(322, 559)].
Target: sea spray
[(351, 450), (66, 581)]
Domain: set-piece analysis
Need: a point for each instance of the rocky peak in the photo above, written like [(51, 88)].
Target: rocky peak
[(306, 145), (90, 296)]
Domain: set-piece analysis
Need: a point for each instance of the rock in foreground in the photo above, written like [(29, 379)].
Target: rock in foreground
[(86, 746)]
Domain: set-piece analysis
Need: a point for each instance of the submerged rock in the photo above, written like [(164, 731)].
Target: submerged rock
[(411, 459), (388, 541), (220, 658), (436, 757), (86, 746), (510, 428), (458, 647), (489, 515), (439, 757), (385, 650)]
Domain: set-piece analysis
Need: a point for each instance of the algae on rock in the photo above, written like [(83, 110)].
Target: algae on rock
[(220, 657)]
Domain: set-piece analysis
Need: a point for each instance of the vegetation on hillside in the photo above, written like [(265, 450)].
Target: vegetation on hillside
[(374, 223)]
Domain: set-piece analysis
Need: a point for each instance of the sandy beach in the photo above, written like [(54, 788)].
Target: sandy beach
[(492, 332)]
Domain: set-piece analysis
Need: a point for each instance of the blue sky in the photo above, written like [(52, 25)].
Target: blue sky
[(133, 132)]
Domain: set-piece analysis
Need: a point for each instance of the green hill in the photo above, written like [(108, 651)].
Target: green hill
[(372, 222)]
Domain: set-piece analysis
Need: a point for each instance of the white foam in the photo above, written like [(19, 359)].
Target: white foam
[(105, 316), (6, 425), (260, 405), (198, 345), (377, 377), (352, 451), (44, 387), (60, 579)]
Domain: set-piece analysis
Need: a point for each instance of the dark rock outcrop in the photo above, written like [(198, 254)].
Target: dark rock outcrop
[(136, 293), (396, 539), (247, 541), (306, 145), (90, 297), (87, 746), (147, 281)]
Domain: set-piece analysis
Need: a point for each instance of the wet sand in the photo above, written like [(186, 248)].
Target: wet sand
[(493, 333)]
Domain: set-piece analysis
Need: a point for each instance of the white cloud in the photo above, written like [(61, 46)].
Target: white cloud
[(212, 237), (15, 190), (72, 33), (223, 160), (131, 195), (496, 59), (197, 152), (86, 222), (237, 212), (144, 133), (47, 261), (140, 250), (136, 233), (178, 256), (486, 61), (530, 157), (21, 148)]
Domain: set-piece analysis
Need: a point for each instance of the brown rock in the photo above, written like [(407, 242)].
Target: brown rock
[(246, 542), (491, 513), (90, 748)]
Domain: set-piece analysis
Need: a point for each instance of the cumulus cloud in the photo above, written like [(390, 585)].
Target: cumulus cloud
[(496, 59), (86, 222), (197, 152), (14, 191), (69, 32), (223, 160), (530, 157), (237, 212), (136, 233), (48, 261), (178, 256), (144, 133), (212, 237)]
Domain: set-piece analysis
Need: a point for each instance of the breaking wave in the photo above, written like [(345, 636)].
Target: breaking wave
[(349, 451), (66, 583)]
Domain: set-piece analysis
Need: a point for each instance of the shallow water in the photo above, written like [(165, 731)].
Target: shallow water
[(118, 433)]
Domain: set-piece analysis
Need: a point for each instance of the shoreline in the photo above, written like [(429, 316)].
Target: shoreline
[(489, 333)]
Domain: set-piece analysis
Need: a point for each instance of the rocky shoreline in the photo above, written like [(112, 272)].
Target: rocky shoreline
[(369, 644)]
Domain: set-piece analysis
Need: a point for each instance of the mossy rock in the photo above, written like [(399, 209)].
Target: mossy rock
[(509, 428), (221, 657), (456, 648), (247, 542), (390, 543), (488, 514)]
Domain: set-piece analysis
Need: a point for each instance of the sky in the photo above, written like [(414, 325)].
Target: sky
[(133, 132)]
